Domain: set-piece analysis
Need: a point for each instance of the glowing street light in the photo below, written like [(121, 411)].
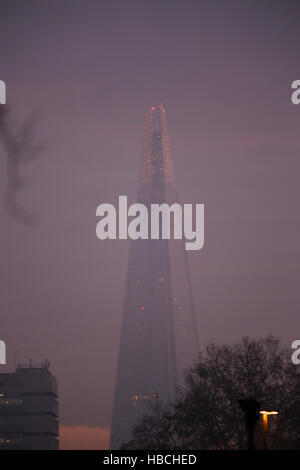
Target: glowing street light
[(265, 425)]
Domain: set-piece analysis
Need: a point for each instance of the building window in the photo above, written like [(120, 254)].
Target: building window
[(6, 400), (12, 442)]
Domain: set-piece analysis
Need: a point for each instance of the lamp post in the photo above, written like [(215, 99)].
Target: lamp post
[(251, 407), (265, 425)]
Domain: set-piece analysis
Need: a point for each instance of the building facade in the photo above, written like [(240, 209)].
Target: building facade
[(29, 409), (159, 333)]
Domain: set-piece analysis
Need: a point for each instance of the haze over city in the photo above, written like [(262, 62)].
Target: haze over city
[(91, 69)]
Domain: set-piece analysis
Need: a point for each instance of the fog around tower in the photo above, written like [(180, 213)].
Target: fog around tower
[(223, 71)]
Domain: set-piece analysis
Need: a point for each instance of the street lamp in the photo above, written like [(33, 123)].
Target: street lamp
[(265, 425)]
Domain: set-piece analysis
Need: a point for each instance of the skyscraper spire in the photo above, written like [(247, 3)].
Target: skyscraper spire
[(156, 158), (158, 335)]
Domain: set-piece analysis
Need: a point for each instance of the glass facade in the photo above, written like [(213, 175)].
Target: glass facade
[(158, 336)]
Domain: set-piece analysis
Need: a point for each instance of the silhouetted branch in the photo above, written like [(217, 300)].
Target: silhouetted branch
[(20, 148)]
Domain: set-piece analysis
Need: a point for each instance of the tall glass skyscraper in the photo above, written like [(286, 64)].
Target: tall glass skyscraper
[(159, 334)]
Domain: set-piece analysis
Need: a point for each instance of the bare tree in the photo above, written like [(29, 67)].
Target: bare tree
[(207, 414), (20, 148)]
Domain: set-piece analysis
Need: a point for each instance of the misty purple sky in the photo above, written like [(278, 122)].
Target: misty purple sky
[(223, 71)]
